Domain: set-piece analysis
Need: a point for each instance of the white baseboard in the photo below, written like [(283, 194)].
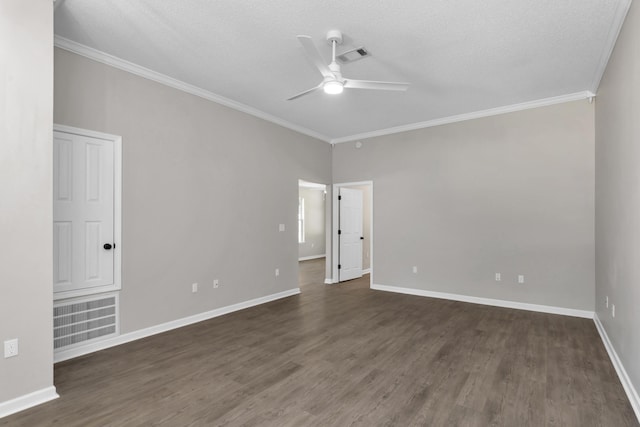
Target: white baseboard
[(632, 393), (307, 258), (366, 271), (487, 301), (27, 401), (328, 281), (163, 327)]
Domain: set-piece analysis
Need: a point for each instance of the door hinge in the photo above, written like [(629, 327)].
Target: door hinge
[(339, 266), (339, 197), (339, 231)]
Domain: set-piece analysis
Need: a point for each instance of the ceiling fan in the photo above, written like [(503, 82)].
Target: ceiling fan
[(333, 82)]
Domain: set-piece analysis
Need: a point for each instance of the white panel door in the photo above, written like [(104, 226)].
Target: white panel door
[(83, 212), (350, 234)]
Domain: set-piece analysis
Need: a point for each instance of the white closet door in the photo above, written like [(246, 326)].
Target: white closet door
[(350, 234), (83, 212)]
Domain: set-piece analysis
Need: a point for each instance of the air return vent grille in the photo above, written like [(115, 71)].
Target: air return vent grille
[(353, 55), (82, 320)]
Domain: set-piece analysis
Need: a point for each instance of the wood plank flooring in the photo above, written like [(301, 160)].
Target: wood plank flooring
[(345, 355)]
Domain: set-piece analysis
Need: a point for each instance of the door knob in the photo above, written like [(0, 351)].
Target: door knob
[(108, 246)]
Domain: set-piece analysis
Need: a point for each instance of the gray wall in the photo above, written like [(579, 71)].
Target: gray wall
[(205, 188), (512, 194), (26, 114), (618, 196), (314, 224)]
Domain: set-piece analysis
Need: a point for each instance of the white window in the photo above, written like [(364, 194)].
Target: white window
[(300, 219)]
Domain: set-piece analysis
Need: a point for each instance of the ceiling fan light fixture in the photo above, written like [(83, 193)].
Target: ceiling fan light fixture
[(333, 87), (333, 83)]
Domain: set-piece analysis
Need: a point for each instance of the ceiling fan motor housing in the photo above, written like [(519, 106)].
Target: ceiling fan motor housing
[(335, 68), (334, 35)]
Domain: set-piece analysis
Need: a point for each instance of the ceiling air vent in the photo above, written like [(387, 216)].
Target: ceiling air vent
[(353, 55)]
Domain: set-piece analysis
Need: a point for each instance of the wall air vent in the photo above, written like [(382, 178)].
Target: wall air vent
[(353, 55), (79, 321)]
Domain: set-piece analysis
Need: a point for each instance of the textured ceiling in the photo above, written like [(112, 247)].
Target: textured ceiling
[(460, 56)]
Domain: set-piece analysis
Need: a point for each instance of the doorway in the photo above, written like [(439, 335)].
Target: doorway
[(312, 232), (86, 212), (86, 239), (352, 231)]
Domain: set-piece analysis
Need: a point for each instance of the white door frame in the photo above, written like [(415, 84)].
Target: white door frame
[(334, 228), (117, 211)]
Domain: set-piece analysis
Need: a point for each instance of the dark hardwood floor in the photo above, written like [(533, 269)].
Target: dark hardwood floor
[(344, 355)]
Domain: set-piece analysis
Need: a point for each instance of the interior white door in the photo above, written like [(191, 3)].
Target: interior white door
[(350, 234), (83, 212)]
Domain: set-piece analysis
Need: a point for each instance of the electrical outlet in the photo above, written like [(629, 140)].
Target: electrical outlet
[(10, 348), (520, 278), (194, 287), (216, 283), (606, 301), (415, 269), (498, 277), (277, 272), (613, 310), (281, 227)]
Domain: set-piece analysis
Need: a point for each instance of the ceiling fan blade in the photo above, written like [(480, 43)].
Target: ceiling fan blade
[(368, 84), (314, 55), (305, 92)]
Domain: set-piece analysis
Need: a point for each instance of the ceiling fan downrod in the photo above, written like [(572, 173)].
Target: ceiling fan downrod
[(336, 85)]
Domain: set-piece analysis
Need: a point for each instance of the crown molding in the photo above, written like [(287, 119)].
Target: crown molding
[(612, 37), (113, 61), (469, 116)]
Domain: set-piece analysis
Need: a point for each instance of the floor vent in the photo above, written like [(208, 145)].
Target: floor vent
[(79, 321)]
